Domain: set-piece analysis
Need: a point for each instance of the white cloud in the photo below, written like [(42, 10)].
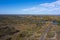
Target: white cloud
[(46, 8)]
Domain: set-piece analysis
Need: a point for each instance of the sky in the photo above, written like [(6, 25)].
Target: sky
[(35, 7)]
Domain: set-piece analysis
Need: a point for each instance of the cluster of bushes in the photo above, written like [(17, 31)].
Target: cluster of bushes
[(9, 38), (7, 31)]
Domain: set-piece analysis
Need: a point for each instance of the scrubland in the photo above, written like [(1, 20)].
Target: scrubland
[(29, 27)]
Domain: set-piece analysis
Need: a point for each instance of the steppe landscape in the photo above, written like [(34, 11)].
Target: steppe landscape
[(29, 27)]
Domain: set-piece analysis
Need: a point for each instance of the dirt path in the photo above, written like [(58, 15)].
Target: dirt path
[(43, 36)]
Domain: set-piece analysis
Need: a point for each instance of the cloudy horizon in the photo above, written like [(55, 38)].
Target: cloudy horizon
[(37, 7)]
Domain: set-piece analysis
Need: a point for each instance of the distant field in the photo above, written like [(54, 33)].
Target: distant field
[(29, 27)]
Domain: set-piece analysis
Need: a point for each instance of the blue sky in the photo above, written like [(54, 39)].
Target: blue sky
[(30, 7)]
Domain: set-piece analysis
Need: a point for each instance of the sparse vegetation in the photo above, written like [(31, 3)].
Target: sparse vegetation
[(26, 27), (50, 34)]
